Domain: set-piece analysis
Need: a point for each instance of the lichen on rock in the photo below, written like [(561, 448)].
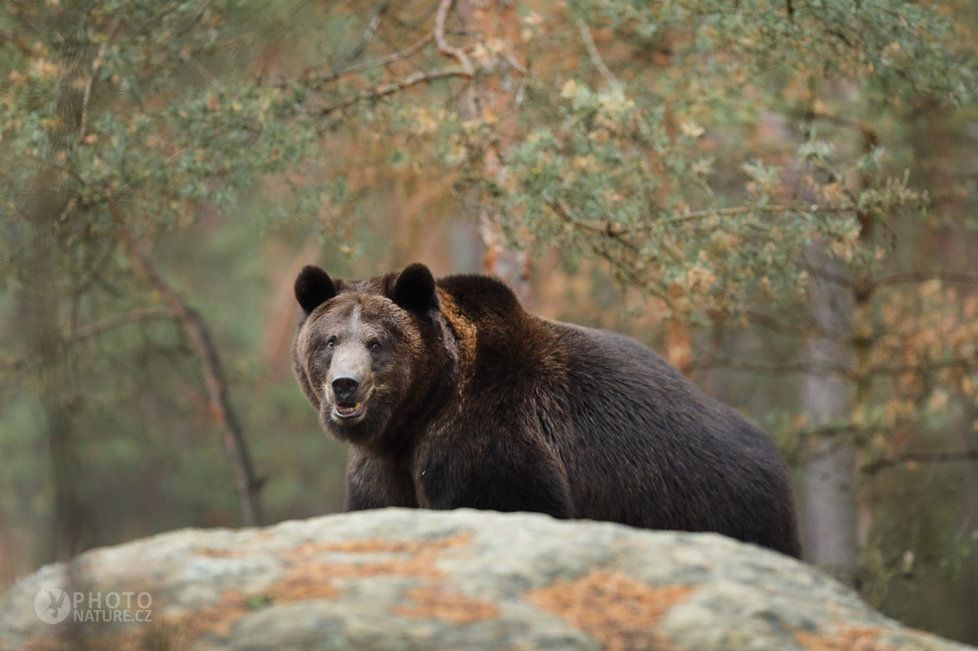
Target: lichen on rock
[(415, 579)]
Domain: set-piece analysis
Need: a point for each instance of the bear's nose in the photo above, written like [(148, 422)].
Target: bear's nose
[(345, 387)]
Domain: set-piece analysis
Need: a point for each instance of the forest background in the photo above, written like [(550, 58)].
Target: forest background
[(778, 195)]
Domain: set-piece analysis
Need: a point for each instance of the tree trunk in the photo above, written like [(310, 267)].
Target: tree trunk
[(46, 287), (247, 484), (829, 497), (494, 94)]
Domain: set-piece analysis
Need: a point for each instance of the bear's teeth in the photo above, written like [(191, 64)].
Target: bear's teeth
[(344, 410)]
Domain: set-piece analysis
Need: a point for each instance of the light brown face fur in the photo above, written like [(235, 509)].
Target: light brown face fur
[(365, 337)]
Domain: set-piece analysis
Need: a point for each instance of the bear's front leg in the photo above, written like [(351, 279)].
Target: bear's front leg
[(500, 477), (376, 483)]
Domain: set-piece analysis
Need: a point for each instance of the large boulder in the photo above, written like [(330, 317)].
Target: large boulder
[(410, 579)]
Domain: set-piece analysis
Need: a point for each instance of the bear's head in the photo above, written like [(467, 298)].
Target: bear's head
[(371, 354)]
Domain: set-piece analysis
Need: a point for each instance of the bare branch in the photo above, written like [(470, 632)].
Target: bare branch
[(616, 230), (792, 329), (97, 328), (870, 137), (87, 93), (11, 37), (596, 59), (958, 277), (829, 431), (448, 50), (828, 276), (456, 53), (215, 384), (613, 231), (623, 271), (390, 88), (967, 363), (691, 215), (799, 367), (394, 57), (368, 33), (317, 80), (876, 466), (118, 320)]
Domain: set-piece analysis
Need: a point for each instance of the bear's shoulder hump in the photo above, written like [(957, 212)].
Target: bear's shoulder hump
[(475, 293)]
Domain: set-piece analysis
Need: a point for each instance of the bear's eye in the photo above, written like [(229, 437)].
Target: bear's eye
[(331, 343), (374, 345)]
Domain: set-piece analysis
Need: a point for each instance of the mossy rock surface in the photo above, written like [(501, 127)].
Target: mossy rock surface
[(413, 579)]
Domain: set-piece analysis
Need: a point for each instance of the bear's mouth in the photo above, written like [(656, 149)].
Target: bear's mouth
[(348, 411)]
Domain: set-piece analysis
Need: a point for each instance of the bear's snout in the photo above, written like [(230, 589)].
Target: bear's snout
[(349, 378), (345, 389), (348, 386), (348, 396)]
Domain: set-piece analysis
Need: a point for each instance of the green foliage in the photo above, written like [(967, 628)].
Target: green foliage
[(153, 143), (123, 124), (693, 151), (896, 46)]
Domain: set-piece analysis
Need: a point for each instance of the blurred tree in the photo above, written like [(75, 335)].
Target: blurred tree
[(109, 140), (754, 168), (741, 165)]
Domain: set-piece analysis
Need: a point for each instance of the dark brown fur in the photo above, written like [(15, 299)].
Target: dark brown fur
[(487, 406)]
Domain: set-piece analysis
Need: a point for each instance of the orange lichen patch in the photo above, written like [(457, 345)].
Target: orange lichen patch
[(434, 602), (418, 558), (216, 552), (619, 612), (379, 546), (312, 582), (174, 632), (308, 580), (124, 641), (48, 643), (305, 580), (420, 566), (849, 638), (217, 619)]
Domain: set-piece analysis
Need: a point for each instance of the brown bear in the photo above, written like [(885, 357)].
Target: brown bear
[(451, 395)]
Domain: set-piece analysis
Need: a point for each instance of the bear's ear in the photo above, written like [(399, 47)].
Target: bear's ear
[(313, 287), (414, 289)]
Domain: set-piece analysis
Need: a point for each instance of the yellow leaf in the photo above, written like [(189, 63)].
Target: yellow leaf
[(937, 401), (488, 117), (569, 89), (692, 129)]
